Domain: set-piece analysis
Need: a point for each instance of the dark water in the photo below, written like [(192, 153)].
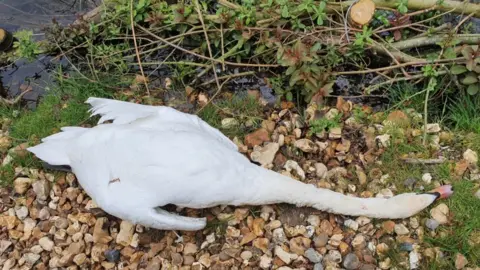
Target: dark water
[(35, 15)]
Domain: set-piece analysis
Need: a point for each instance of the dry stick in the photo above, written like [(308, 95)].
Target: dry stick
[(174, 63), (430, 161), (200, 17), (398, 66), (17, 99), (463, 21), (223, 49), (417, 23), (136, 48), (392, 81), (393, 58), (435, 30), (203, 56), (231, 76), (471, 39), (425, 114)]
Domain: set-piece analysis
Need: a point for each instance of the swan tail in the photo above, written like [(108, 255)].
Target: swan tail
[(273, 187), (53, 149), (121, 112)]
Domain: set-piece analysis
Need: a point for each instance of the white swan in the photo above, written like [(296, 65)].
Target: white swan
[(151, 156)]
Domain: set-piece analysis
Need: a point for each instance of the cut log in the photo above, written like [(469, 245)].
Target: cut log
[(361, 13)]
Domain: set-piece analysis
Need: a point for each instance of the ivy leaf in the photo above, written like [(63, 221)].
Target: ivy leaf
[(458, 69), (471, 78), (473, 89)]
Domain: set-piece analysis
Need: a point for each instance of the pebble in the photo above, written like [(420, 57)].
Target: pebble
[(265, 262), (112, 255), (265, 155), (352, 224), (318, 266), (305, 145), (21, 212), (477, 194), (313, 220), (358, 242), (320, 170), (414, 222), (125, 235), (21, 184), (440, 213), (351, 261), (334, 256), (46, 243), (41, 189), (190, 249), (414, 259), (410, 182), (470, 156), (432, 224), (313, 256), (228, 123), (405, 247), (460, 261), (427, 178), (335, 240), (401, 229), (283, 255), (246, 255), (321, 240)]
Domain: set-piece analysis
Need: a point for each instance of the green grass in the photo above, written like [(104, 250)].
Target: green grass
[(466, 223), (463, 113)]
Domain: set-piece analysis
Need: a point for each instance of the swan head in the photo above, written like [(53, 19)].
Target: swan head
[(442, 192)]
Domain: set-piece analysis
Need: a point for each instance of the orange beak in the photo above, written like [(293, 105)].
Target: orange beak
[(444, 191)]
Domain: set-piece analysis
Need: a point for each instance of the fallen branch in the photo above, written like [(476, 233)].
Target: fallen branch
[(470, 39), (431, 161)]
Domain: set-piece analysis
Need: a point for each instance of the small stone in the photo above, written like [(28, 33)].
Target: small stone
[(265, 155), (320, 170), (313, 256), (433, 128), (305, 145), (388, 226), (112, 255), (99, 234), (432, 224), (477, 194), (261, 243), (318, 266), (298, 245), (257, 138), (351, 261), (352, 224), (283, 255), (440, 213), (41, 189), (31, 258), (398, 118), (470, 156), (258, 225), (321, 240), (414, 222), (335, 133), (383, 139), (335, 240), (405, 247), (46, 243), (414, 259), (44, 213), (4, 245), (401, 229), (21, 184), (190, 249), (362, 221), (248, 238), (358, 242), (278, 236), (385, 193), (410, 182), (291, 165), (460, 261), (61, 223), (21, 212), (313, 220), (427, 178), (125, 235), (228, 123), (246, 255), (265, 262), (334, 256)]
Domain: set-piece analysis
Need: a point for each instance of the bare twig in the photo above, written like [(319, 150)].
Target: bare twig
[(230, 76), (203, 56), (17, 99), (430, 161), (132, 23)]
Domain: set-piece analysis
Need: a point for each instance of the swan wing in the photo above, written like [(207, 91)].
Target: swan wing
[(122, 112)]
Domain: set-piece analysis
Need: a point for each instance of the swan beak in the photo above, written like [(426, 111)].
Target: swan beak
[(442, 192)]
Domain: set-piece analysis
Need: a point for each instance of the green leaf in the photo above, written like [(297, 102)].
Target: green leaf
[(285, 12), (458, 69), (296, 76), (473, 89), (315, 47), (319, 20), (449, 53), (322, 5), (290, 70), (467, 52), (471, 78), (289, 96)]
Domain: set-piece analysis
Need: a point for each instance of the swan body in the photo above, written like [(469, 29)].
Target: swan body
[(151, 156)]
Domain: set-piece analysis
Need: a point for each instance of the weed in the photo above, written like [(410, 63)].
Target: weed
[(25, 46), (324, 124), (463, 113), (459, 237)]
